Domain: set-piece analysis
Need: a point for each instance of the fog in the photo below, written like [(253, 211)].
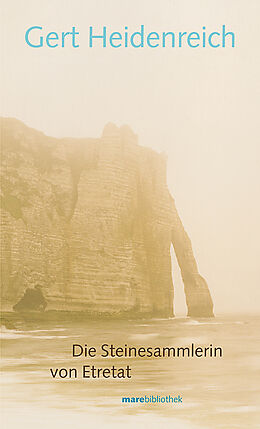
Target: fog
[(200, 106)]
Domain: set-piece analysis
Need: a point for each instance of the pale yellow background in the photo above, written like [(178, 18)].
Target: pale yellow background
[(200, 106)]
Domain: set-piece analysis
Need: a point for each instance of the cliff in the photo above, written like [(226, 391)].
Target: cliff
[(92, 222)]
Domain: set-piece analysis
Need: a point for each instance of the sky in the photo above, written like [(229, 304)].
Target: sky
[(199, 106)]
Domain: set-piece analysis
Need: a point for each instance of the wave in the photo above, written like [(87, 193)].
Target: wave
[(12, 334), (143, 336)]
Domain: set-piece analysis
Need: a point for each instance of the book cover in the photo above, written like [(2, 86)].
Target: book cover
[(130, 214)]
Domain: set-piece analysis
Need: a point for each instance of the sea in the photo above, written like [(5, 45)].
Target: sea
[(216, 392)]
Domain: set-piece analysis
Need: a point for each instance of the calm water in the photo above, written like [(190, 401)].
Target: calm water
[(217, 393)]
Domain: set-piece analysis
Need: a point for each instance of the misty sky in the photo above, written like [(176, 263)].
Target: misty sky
[(200, 106)]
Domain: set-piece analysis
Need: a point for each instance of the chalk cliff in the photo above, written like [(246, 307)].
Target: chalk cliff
[(92, 221)]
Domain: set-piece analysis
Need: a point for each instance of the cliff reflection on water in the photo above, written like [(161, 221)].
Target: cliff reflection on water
[(217, 393)]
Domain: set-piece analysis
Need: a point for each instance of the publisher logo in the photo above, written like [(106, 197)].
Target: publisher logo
[(152, 399)]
